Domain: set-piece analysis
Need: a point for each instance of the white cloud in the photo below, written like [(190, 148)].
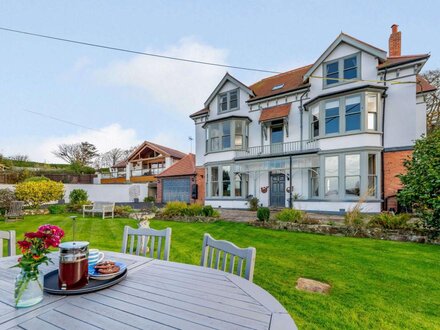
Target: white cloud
[(181, 86), (108, 137)]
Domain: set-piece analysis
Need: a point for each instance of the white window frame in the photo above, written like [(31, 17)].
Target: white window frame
[(341, 70), (228, 102)]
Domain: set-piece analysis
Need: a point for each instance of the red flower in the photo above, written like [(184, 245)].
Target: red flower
[(37, 234), (24, 245)]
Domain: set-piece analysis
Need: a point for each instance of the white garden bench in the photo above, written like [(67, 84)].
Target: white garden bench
[(100, 207)]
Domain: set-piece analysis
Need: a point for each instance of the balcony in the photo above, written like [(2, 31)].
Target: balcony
[(147, 172), (278, 149)]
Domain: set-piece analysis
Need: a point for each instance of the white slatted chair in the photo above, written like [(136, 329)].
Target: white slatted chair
[(100, 207), (226, 256), (10, 237), (142, 241)]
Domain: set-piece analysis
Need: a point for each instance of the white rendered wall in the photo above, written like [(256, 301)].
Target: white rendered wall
[(119, 193)]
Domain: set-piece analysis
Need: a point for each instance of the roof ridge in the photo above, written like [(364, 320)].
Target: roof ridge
[(366, 43)]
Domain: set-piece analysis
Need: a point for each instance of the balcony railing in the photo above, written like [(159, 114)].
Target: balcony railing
[(113, 175), (278, 149), (147, 172)]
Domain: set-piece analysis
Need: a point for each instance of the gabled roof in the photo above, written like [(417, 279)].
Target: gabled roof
[(157, 147), (399, 60), (276, 112), (423, 85), (227, 77), (120, 164), (345, 38), (185, 166), (291, 80)]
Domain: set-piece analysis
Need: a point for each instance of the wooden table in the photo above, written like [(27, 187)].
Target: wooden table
[(155, 295)]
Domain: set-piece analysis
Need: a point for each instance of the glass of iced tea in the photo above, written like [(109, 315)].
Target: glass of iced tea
[(73, 270)]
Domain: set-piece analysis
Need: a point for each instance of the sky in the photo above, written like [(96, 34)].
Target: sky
[(125, 99)]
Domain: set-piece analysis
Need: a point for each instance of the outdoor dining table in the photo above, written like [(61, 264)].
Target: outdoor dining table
[(156, 294)]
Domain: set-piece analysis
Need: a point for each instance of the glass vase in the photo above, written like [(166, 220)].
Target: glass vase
[(28, 288)]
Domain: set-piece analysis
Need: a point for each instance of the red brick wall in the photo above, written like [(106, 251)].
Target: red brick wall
[(393, 165), (200, 181), (159, 191)]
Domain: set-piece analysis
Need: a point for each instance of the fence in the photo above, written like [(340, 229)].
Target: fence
[(14, 177)]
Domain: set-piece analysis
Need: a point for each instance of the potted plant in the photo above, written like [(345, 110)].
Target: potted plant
[(29, 282)]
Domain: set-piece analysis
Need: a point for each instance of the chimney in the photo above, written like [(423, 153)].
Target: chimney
[(395, 41)]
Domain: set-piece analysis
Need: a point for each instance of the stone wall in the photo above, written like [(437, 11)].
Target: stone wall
[(404, 235)]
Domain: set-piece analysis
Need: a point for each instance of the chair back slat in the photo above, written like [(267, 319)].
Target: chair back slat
[(9, 236), (147, 237), (225, 250)]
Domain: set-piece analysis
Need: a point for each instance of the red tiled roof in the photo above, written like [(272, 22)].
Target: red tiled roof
[(397, 60), (423, 85), (292, 80), (276, 112), (185, 166), (204, 111)]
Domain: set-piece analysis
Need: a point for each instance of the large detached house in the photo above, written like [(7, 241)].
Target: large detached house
[(319, 137)]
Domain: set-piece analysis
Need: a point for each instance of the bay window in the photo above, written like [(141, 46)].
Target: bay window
[(372, 175), (222, 182), (315, 122), (229, 134), (371, 111), (314, 182)]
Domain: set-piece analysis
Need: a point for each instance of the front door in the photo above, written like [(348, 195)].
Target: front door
[(277, 190)]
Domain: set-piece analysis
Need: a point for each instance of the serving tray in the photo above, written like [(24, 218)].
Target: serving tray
[(51, 284)]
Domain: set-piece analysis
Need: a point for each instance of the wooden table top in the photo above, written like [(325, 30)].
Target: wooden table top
[(155, 295)]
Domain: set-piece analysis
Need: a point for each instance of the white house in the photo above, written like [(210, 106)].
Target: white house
[(320, 136)]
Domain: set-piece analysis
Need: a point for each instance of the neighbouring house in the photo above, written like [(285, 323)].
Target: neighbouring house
[(143, 165), (183, 181), (319, 137)]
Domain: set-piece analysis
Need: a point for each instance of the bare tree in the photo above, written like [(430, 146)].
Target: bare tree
[(112, 157), (433, 100), (18, 157), (81, 153)]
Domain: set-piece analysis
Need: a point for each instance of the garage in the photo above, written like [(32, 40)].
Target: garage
[(176, 189)]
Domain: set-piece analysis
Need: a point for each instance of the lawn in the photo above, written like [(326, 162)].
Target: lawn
[(375, 284)]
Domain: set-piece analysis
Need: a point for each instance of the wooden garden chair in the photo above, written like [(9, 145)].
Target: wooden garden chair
[(15, 211), (10, 237), (143, 241), (226, 256)]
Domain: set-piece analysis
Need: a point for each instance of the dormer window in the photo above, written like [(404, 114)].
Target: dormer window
[(228, 101), (342, 70)]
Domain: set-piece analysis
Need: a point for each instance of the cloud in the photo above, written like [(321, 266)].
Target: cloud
[(108, 137), (181, 87)]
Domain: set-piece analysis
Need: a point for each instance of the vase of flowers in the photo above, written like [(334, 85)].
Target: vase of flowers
[(29, 282)]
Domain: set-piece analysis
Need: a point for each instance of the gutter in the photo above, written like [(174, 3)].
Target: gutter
[(382, 161)]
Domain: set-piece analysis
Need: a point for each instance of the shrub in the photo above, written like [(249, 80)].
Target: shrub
[(57, 209), (149, 199), (78, 196), (253, 204), (194, 210), (77, 207), (6, 197), (290, 215), (388, 220), (35, 193), (421, 183), (208, 211), (123, 211), (263, 213), (354, 218), (173, 209), (36, 179)]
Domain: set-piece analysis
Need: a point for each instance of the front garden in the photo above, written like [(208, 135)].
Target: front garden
[(375, 284)]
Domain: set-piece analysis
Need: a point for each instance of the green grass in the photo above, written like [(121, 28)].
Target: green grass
[(375, 284)]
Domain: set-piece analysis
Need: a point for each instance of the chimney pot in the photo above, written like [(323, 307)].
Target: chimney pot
[(395, 41)]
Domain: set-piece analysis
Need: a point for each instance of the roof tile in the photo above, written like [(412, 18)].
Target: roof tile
[(276, 112), (185, 166)]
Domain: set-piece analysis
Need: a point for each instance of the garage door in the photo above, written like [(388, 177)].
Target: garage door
[(176, 190)]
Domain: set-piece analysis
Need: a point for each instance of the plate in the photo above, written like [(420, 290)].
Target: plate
[(93, 273)]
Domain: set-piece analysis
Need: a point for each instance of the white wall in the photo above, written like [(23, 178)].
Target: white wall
[(103, 192)]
